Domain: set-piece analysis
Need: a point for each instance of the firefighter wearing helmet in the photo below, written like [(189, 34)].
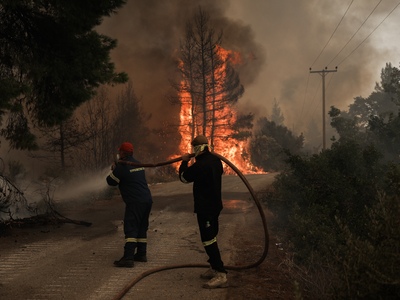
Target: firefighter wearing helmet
[(131, 181), (206, 175)]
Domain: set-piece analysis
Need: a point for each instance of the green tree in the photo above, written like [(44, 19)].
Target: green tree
[(375, 119), (386, 135), (270, 145), (51, 61), (337, 212), (390, 84), (276, 115), (347, 127)]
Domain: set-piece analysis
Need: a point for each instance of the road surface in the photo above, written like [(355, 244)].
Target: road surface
[(71, 261)]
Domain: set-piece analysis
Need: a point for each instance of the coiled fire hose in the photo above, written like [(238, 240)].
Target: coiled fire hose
[(257, 202)]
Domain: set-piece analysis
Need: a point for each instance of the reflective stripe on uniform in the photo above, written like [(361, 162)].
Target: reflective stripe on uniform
[(142, 240), (136, 170), (182, 178), (114, 177), (210, 242), (131, 240)]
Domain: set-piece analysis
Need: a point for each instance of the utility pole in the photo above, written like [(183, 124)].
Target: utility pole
[(323, 74)]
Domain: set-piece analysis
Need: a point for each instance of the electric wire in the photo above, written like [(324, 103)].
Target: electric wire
[(362, 24), (126, 289), (370, 34), (333, 33), (355, 34)]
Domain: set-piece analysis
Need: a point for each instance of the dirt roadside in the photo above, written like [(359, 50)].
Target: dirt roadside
[(270, 280)]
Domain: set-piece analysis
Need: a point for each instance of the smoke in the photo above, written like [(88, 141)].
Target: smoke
[(280, 41), (294, 33), (149, 35)]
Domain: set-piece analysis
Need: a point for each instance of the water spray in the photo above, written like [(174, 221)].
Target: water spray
[(243, 267)]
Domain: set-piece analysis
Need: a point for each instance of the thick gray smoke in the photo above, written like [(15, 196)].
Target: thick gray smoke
[(294, 33), (149, 34), (280, 40)]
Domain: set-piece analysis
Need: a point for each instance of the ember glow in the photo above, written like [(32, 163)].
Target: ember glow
[(220, 116)]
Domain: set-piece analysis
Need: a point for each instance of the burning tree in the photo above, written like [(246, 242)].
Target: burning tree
[(209, 86)]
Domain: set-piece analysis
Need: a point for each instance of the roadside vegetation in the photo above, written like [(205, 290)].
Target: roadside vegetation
[(336, 213)]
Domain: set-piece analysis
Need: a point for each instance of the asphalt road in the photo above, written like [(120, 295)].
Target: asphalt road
[(76, 262)]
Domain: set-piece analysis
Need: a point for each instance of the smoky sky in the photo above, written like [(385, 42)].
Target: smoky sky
[(149, 35), (279, 41), (294, 34)]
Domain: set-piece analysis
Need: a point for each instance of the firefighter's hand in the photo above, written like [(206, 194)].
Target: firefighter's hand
[(186, 157), (113, 167)]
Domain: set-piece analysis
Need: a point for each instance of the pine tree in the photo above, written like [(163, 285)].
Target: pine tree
[(51, 61)]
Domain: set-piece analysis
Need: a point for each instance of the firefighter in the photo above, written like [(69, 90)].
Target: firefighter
[(206, 175), (136, 194)]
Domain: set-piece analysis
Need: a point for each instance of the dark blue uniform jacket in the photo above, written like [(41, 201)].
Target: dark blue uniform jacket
[(206, 175), (131, 181)]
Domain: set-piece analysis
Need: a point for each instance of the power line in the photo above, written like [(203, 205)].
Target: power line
[(333, 32), (370, 33), (355, 32), (347, 43)]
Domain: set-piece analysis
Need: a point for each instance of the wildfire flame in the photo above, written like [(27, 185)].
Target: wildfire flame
[(232, 149)]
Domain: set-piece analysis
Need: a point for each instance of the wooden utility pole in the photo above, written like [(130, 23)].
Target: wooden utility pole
[(323, 74)]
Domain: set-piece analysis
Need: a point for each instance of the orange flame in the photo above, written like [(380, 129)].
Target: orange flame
[(232, 149)]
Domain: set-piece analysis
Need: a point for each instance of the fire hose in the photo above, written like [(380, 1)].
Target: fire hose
[(243, 267)]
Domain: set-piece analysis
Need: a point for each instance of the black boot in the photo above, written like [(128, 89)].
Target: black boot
[(141, 252), (127, 261), (124, 263)]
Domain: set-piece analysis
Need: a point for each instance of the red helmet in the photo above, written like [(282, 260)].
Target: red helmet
[(126, 147)]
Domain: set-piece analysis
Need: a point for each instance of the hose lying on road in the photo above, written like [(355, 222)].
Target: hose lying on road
[(243, 267)]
